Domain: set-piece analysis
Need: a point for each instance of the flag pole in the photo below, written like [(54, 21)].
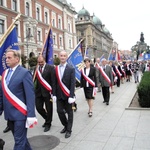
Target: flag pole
[(49, 28), (110, 53), (9, 29)]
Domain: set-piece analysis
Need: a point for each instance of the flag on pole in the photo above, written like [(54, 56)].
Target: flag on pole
[(112, 55), (10, 41), (76, 60), (47, 51)]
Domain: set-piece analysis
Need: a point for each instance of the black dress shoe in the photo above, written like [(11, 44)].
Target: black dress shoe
[(43, 125), (63, 130), (47, 128), (107, 103), (68, 134), (7, 129), (2, 143)]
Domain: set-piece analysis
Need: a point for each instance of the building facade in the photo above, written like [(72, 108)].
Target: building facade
[(97, 38), (36, 18)]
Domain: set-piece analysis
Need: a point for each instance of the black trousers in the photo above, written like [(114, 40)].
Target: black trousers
[(106, 93), (47, 113), (63, 109)]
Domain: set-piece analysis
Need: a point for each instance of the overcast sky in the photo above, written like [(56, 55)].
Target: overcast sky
[(125, 19)]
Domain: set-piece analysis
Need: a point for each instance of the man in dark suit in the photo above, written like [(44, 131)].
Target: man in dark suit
[(44, 78), (64, 93), (17, 99), (106, 80)]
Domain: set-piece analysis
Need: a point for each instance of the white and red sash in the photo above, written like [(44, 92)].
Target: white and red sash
[(123, 71), (61, 84), (45, 84), (118, 72), (91, 82), (16, 102), (103, 74)]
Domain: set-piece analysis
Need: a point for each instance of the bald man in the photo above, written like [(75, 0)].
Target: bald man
[(64, 93)]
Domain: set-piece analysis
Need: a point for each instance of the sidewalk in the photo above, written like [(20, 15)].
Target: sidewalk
[(111, 127)]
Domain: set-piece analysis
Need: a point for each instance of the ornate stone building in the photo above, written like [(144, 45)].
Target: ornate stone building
[(97, 37), (36, 16)]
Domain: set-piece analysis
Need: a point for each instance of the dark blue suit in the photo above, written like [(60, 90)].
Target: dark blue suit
[(21, 86), (62, 100)]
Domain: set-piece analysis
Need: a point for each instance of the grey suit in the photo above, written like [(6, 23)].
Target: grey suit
[(105, 85)]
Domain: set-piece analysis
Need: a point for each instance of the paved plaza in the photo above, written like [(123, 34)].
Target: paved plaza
[(112, 127)]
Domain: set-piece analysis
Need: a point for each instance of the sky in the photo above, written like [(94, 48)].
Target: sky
[(125, 19)]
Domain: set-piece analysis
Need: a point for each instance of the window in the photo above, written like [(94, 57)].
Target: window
[(59, 23), (69, 43), (60, 41), (27, 9), (15, 5), (69, 27), (46, 18), (39, 36), (1, 3), (16, 28), (1, 26), (54, 39), (37, 13), (53, 22)]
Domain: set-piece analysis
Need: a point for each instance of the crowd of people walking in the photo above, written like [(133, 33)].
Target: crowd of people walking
[(51, 85)]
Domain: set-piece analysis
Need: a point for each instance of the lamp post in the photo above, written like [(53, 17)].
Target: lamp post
[(30, 31)]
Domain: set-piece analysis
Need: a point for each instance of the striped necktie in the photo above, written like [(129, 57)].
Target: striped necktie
[(9, 76)]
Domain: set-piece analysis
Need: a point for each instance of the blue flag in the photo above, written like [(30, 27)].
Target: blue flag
[(76, 60), (11, 41), (146, 56), (48, 48), (112, 55)]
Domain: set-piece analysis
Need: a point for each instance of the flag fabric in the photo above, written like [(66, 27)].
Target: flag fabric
[(118, 57), (48, 48), (146, 56), (76, 60), (112, 55), (11, 41)]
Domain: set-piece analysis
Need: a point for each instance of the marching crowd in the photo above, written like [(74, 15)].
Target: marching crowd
[(21, 92)]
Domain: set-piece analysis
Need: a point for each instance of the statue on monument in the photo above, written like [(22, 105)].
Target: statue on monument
[(142, 37)]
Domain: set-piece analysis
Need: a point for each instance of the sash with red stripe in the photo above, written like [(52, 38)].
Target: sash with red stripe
[(45, 84), (16, 102), (123, 71), (91, 82), (103, 74), (61, 84), (118, 72)]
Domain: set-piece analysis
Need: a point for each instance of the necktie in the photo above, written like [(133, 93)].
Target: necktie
[(40, 69), (8, 76), (61, 70)]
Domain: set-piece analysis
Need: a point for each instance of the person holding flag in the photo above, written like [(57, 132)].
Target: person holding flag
[(63, 93), (45, 81)]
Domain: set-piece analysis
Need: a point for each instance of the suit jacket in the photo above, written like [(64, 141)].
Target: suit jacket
[(48, 74), (92, 76), (69, 81), (108, 71), (21, 85)]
